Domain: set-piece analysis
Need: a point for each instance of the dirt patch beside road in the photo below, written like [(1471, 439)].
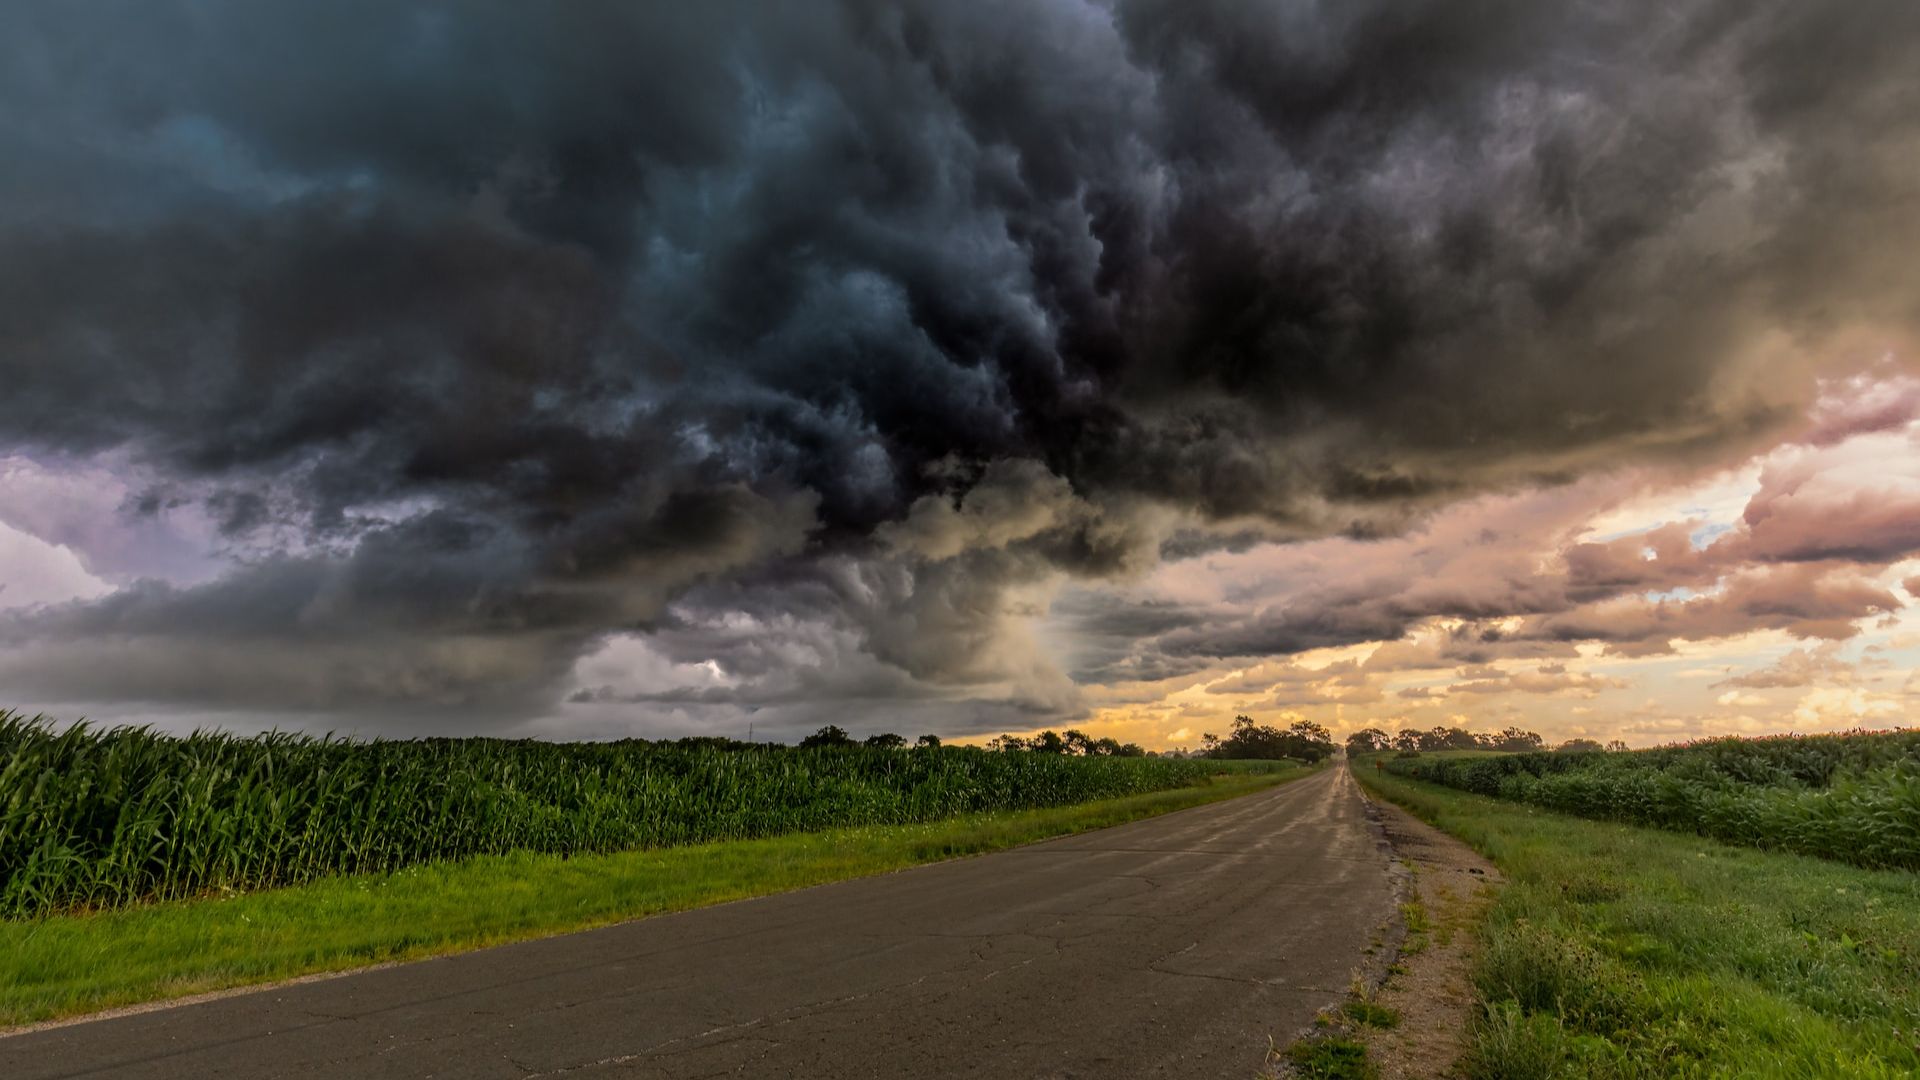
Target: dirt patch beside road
[(1430, 987)]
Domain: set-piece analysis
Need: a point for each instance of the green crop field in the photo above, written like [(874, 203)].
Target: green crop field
[(1854, 797), (94, 820), (65, 964), (1618, 951)]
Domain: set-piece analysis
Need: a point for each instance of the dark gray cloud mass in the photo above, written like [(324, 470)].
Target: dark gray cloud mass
[(488, 330)]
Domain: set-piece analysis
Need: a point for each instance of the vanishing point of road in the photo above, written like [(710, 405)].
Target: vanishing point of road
[(1170, 947)]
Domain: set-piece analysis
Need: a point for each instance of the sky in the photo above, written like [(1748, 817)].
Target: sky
[(602, 369)]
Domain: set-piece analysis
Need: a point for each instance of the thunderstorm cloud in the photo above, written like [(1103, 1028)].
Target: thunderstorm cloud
[(605, 368)]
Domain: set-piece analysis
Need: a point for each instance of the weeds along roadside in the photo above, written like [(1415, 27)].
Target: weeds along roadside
[(1617, 951)]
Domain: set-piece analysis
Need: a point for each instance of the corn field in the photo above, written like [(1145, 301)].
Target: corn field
[(1853, 797), (104, 818)]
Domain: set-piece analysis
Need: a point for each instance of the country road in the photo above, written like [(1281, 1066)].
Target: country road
[(1171, 947)]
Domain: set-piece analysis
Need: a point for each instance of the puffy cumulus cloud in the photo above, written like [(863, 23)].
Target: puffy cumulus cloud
[(1660, 559), (1861, 404), (1293, 685), (1462, 577), (1841, 708), (1806, 601), (945, 647), (1545, 679), (33, 572), (119, 527), (1859, 500), (475, 342), (1013, 501), (1021, 506), (1800, 667), (1454, 643), (1478, 560)]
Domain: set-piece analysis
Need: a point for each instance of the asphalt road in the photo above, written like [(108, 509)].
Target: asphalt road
[(1171, 947)]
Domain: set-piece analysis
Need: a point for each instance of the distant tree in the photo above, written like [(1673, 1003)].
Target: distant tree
[(928, 742), (1310, 731), (1308, 741), (1047, 742), (1247, 740), (1578, 746), (1511, 739), (1127, 749), (1007, 743), (886, 740), (1304, 740), (1406, 739), (1616, 746), (1078, 742), (1368, 741), (831, 735)]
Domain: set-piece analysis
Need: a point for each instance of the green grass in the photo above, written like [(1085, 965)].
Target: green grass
[(1335, 1057), (1371, 1013), (69, 964), (1621, 951)]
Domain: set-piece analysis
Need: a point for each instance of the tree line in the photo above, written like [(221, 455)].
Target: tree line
[(835, 735), (1070, 742), (1510, 739), (1302, 740)]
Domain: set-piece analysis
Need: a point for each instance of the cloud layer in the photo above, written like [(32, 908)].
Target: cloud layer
[(872, 352)]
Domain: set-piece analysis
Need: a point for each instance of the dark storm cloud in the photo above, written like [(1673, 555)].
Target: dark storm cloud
[(435, 611), (522, 320)]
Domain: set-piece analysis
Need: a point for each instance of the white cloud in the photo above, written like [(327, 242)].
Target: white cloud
[(33, 571)]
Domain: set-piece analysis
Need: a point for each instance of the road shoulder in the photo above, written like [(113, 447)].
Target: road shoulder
[(1410, 1011), (1430, 986)]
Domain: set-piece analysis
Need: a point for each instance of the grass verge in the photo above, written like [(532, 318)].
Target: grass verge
[(1617, 951), (66, 965)]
